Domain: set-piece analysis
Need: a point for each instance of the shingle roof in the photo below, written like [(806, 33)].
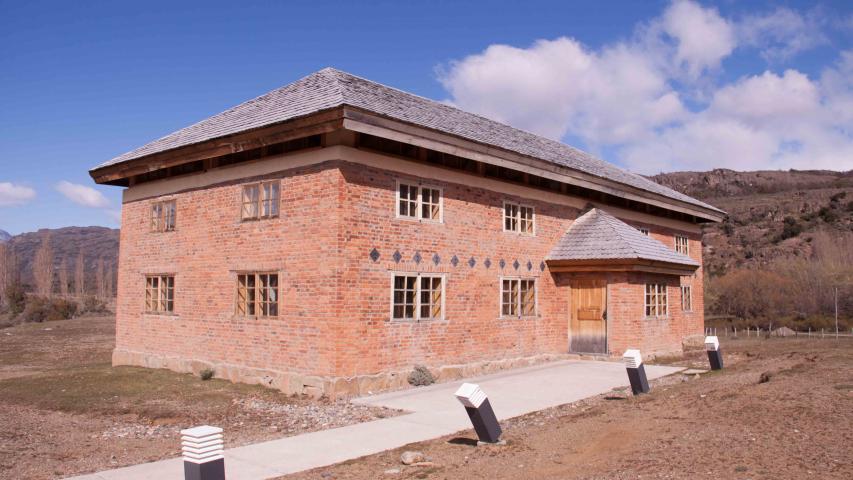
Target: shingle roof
[(597, 235), (330, 88)]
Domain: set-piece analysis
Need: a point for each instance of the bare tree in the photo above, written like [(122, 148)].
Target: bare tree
[(109, 281), (3, 274), (63, 278), (80, 276), (43, 267), (100, 283)]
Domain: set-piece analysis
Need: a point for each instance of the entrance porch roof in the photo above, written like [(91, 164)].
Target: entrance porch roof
[(598, 241)]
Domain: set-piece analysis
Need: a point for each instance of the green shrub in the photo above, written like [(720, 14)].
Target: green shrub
[(16, 298), (40, 309), (790, 229), (421, 376), (92, 304)]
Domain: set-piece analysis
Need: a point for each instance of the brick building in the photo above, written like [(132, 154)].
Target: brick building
[(329, 235)]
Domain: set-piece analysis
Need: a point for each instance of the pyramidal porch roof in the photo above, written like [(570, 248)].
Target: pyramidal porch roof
[(598, 241)]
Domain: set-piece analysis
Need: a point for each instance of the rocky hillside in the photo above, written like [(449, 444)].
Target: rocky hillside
[(771, 214), (4, 236), (67, 243)]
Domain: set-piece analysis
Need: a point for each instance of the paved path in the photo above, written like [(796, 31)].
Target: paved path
[(435, 413)]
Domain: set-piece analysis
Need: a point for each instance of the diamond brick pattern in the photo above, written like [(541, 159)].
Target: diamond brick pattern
[(487, 263), (417, 258), (542, 266), (515, 264), (436, 259), (529, 265), (471, 262), (502, 263), (454, 261), (397, 257), (374, 254)]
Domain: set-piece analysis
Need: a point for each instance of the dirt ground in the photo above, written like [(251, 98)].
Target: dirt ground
[(64, 410), (796, 422)]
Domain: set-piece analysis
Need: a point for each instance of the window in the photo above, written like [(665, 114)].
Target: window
[(257, 294), (417, 297), (656, 302), (163, 216), (260, 200), (160, 293), (644, 231), (518, 297), (419, 202), (682, 244), (686, 298), (518, 218)]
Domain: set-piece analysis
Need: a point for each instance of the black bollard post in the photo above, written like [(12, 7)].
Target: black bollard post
[(480, 412), (715, 357), (202, 452), (636, 372)]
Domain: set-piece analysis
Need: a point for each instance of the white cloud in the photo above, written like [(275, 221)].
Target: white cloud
[(631, 97), (82, 195), (782, 33), (558, 86), (12, 194), (703, 38)]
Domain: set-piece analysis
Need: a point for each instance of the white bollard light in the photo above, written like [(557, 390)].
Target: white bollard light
[(715, 357), (636, 371), (202, 449), (480, 412)]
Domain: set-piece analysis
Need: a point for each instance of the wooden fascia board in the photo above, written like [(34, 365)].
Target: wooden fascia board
[(621, 265), (323, 122), (365, 122)]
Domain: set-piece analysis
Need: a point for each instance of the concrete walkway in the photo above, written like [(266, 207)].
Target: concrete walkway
[(435, 413)]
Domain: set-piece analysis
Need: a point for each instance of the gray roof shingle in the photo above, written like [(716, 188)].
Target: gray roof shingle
[(597, 235), (330, 88)]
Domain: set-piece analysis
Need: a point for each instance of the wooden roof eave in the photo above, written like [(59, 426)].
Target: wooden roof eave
[(312, 124), (621, 265)]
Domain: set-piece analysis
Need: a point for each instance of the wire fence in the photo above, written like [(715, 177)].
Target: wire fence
[(779, 332)]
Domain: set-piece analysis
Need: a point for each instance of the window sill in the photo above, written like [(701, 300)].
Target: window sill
[(419, 220), (516, 317), (416, 320), (261, 219), (520, 234), (161, 314)]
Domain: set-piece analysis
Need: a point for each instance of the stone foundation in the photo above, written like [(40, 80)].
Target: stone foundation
[(293, 383)]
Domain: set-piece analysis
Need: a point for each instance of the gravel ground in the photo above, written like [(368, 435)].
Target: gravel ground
[(64, 410), (718, 425)]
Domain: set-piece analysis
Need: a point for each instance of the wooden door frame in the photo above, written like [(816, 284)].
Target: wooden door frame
[(607, 282)]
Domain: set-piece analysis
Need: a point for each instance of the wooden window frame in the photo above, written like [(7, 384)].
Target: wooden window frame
[(518, 306), (261, 202), (417, 301), (682, 244), (159, 220), (257, 307), (687, 299), (159, 299), (656, 301), (517, 220), (419, 202)]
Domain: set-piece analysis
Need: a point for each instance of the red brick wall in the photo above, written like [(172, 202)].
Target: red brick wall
[(209, 245), (335, 307)]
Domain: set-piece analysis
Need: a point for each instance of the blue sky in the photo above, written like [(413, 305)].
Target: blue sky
[(651, 86)]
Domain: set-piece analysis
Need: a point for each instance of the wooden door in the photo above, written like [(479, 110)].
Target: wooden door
[(588, 323)]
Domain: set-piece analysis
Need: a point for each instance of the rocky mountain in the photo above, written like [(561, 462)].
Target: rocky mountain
[(4, 236), (771, 214), (67, 243)]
